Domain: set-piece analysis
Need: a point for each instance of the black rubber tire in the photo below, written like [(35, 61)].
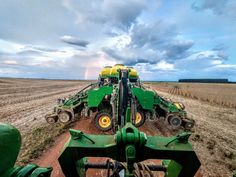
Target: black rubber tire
[(51, 119), (174, 121), (188, 125), (64, 117), (97, 117), (142, 120)]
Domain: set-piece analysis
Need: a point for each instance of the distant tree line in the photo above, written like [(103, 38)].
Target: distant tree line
[(205, 80)]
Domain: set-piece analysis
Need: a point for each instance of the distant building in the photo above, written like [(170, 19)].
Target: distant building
[(205, 80)]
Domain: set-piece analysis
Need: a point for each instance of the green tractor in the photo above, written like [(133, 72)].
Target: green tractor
[(101, 99), (126, 151)]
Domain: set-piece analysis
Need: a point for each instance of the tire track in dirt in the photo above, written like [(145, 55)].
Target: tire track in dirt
[(27, 115), (25, 95), (12, 109), (30, 98)]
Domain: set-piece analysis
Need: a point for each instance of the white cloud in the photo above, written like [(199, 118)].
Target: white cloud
[(10, 47), (120, 41), (226, 66), (149, 43), (163, 65), (10, 62), (216, 62)]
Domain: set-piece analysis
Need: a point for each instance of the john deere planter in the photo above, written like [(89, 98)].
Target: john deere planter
[(127, 150), (102, 98)]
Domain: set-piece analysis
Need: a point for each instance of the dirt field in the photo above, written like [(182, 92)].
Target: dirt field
[(214, 137), (24, 103), (220, 94)]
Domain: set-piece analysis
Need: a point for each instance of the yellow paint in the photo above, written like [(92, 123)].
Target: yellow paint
[(104, 121), (114, 70), (138, 118)]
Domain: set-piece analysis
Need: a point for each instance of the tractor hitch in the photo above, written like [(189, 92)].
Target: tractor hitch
[(120, 166)]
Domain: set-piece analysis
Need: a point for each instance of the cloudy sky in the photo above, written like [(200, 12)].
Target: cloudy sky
[(74, 39)]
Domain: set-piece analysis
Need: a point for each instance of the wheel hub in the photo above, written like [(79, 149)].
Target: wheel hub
[(175, 121), (64, 117), (138, 118), (104, 121), (51, 120)]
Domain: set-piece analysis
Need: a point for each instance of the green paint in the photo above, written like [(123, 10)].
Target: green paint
[(144, 97), (130, 145), (96, 96), (173, 168), (10, 142)]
